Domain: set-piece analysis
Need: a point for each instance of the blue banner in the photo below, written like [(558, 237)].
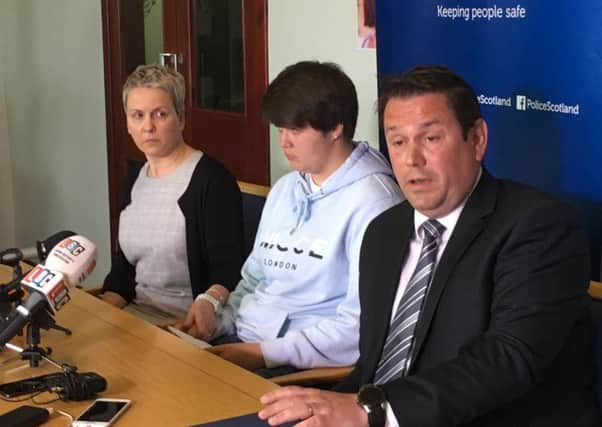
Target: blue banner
[(536, 67)]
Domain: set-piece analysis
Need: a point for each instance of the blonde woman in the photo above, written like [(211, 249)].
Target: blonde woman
[(180, 228)]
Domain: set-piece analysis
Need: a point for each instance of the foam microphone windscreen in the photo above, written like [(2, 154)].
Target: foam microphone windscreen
[(75, 257)]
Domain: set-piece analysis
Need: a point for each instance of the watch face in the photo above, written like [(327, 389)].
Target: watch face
[(371, 395)]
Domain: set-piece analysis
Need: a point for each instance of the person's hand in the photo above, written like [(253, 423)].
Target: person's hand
[(200, 321), (313, 407), (114, 298), (244, 354)]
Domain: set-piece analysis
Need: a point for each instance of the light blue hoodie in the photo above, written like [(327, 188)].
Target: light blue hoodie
[(298, 295)]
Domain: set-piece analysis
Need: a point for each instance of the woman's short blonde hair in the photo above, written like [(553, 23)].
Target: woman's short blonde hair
[(157, 77)]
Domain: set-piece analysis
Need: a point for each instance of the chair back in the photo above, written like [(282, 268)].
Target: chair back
[(253, 199)]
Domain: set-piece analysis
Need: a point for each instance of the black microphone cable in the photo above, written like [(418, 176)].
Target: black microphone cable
[(72, 385), (68, 384)]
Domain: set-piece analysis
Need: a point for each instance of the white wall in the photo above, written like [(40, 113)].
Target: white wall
[(7, 212), (51, 67), (325, 30)]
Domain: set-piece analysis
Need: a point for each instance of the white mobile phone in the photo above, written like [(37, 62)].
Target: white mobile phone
[(102, 413)]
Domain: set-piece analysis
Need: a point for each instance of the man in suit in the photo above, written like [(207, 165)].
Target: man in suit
[(473, 291)]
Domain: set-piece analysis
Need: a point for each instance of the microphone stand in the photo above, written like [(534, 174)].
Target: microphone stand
[(34, 353), (11, 294)]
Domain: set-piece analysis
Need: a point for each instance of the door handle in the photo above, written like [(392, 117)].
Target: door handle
[(171, 60)]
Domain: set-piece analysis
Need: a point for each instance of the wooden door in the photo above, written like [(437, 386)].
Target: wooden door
[(224, 60)]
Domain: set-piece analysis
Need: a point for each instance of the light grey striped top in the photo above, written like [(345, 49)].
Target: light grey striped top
[(152, 235)]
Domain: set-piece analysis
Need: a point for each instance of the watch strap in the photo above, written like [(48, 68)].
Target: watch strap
[(372, 399), (217, 306), (377, 417)]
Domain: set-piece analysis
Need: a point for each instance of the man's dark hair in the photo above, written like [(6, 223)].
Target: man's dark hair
[(426, 79), (311, 93)]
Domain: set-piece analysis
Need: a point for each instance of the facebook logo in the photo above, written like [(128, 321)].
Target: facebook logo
[(521, 102)]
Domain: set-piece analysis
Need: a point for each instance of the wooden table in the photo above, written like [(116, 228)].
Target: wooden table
[(171, 382)]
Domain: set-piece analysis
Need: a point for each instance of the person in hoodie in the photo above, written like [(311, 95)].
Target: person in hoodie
[(297, 302)]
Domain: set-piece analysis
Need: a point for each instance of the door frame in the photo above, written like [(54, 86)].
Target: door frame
[(123, 50)]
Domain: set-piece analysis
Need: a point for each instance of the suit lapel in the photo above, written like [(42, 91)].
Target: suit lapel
[(395, 250), (470, 224)]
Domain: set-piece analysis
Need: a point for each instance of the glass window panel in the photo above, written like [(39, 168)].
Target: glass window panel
[(153, 30), (219, 47)]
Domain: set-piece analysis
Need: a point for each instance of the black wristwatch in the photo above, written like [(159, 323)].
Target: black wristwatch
[(372, 399)]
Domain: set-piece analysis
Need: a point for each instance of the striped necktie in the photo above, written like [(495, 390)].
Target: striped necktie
[(396, 351)]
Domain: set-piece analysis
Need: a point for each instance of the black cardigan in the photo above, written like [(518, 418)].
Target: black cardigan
[(212, 209)]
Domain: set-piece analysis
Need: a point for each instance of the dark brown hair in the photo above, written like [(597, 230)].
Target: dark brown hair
[(427, 79), (311, 93)]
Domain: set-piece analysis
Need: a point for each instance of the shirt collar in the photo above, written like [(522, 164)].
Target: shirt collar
[(449, 221)]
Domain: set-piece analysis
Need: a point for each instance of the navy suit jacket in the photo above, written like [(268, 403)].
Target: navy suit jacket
[(504, 335)]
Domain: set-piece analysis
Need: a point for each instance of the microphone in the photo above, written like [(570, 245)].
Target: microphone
[(67, 265), (19, 318), (75, 257), (32, 254), (45, 246)]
